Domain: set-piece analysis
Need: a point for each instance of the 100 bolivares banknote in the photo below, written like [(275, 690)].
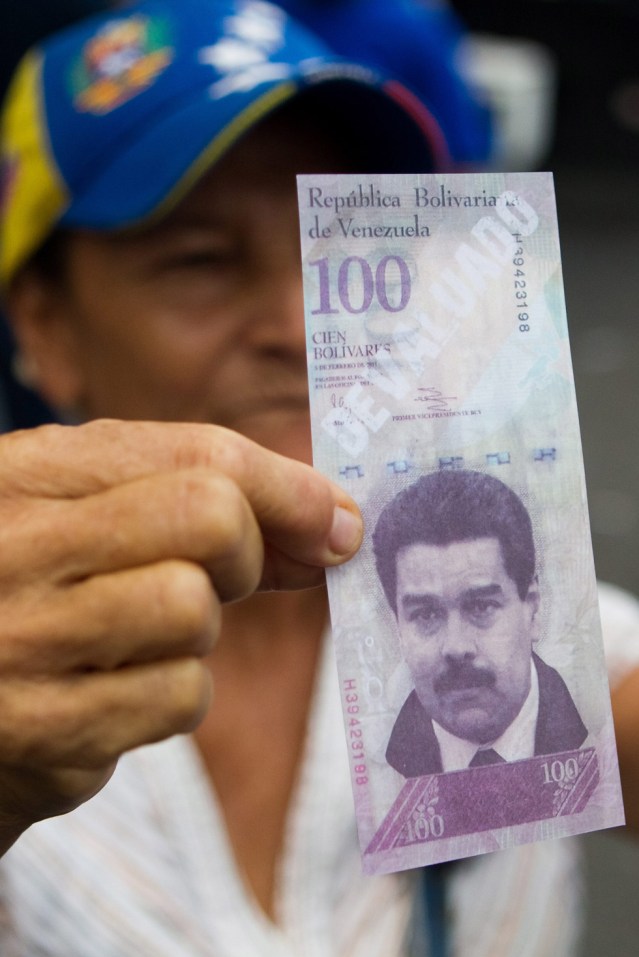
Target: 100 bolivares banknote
[(467, 632)]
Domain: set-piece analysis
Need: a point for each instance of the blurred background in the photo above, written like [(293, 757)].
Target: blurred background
[(562, 78)]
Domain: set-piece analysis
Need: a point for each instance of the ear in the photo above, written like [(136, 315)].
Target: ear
[(39, 312)]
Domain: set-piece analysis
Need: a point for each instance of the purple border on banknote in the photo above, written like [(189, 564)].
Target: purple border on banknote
[(440, 806)]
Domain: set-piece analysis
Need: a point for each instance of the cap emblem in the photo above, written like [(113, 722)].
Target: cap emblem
[(121, 60)]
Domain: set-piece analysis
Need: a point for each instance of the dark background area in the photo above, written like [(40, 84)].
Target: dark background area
[(594, 155)]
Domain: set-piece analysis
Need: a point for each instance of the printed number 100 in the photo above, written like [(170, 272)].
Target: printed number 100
[(556, 772), (355, 271)]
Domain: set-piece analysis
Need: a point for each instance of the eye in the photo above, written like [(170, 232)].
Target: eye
[(427, 617), (481, 611), (205, 258)]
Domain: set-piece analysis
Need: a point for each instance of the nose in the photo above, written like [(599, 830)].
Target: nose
[(277, 323), (458, 639)]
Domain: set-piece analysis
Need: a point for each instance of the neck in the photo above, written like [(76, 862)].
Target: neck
[(263, 626), (252, 738)]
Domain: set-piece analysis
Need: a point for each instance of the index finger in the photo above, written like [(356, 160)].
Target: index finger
[(300, 512)]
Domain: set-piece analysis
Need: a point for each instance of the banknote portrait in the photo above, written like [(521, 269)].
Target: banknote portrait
[(455, 555)]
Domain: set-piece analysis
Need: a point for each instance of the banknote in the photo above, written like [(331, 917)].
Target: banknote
[(467, 632)]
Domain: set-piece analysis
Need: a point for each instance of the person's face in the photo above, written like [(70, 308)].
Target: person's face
[(466, 635), (198, 318)]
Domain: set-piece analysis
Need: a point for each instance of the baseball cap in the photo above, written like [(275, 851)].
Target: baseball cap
[(109, 123), (420, 42)]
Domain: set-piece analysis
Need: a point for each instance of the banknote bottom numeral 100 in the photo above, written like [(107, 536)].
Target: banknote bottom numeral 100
[(354, 732), (422, 827), (391, 271), (556, 772)]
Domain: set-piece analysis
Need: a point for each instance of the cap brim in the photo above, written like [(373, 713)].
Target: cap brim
[(148, 176)]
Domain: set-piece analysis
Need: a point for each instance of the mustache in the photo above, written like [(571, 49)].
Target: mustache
[(461, 676)]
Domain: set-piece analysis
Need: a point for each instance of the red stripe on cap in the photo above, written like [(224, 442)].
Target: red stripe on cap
[(424, 119)]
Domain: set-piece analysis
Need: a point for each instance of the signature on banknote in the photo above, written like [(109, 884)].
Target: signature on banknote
[(434, 399)]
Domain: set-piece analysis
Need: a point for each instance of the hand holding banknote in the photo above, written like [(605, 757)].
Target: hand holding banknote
[(467, 634), (119, 542)]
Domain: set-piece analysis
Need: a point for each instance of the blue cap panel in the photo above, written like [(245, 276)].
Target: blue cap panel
[(108, 79), (417, 42)]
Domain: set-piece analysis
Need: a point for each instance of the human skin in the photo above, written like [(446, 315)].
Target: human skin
[(200, 318), (466, 635), (119, 541)]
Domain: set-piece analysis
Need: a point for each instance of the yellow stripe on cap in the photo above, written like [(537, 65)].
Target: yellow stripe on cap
[(35, 193), (218, 146)]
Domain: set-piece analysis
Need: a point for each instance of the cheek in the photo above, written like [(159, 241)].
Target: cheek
[(137, 351), (155, 347), (143, 376), (420, 654), (510, 654)]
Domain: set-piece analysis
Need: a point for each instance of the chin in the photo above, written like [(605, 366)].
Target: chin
[(471, 725)]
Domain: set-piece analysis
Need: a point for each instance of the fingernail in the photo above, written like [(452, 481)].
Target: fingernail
[(345, 533)]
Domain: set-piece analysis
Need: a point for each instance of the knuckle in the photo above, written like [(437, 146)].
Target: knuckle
[(203, 499), (217, 509), (226, 450), (186, 598), (179, 690), (188, 692)]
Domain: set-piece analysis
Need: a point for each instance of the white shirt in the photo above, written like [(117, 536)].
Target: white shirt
[(145, 869)]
